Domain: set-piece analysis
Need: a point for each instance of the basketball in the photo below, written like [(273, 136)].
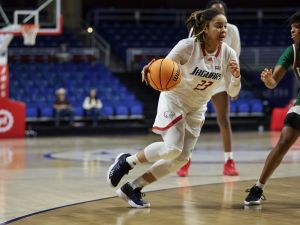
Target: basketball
[(164, 75)]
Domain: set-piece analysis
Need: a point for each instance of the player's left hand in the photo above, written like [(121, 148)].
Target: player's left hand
[(234, 68)]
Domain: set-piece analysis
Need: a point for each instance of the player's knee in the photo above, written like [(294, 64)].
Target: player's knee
[(170, 152)]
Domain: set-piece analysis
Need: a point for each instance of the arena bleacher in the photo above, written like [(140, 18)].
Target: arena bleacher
[(35, 84), (36, 72)]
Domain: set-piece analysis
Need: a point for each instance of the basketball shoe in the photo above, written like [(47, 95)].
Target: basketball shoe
[(132, 196), (184, 171), (255, 196), (229, 168), (118, 169)]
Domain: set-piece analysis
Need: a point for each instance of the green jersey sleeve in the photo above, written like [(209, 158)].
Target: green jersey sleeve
[(287, 58)]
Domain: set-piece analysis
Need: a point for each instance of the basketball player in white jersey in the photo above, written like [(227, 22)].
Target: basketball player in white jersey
[(204, 60), (221, 101)]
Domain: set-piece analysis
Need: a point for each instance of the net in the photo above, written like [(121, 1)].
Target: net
[(29, 32)]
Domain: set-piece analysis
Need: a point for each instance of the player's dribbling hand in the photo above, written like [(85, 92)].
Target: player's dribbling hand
[(145, 72), (234, 68)]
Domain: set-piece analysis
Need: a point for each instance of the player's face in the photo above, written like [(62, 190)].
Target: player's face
[(217, 28), (295, 32)]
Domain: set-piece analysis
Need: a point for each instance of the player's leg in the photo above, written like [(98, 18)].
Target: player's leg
[(160, 169), (168, 150), (194, 122), (287, 138), (131, 191), (222, 107), (158, 150)]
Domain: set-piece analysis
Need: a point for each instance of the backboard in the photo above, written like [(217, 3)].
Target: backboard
[(44, 13)]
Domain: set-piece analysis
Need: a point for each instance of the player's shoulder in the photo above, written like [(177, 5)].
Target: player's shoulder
[(227, 50), (232, 28), (226, 47), (289, 49), (288, 52), (187, 41)]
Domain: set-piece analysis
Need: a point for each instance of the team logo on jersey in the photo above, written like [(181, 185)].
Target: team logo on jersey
[(169, 114), (203, 73), (217, 67)]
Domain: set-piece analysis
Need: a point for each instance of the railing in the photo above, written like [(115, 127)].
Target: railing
[(178, 16), (257, 57), (94, 40), (55, 53), (138, 15)]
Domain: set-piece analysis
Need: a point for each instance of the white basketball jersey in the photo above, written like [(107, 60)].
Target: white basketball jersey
[(233, 38), (202, 72)]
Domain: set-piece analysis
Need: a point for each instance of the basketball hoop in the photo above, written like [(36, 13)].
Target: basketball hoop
[(29, 32)]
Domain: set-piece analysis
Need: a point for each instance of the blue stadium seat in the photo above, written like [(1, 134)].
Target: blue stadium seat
[(233, 107), (107, 110), (209, 107), (256, 106), (78, 111), (46, 112), (136, 110), (122, 110), (36, 84), (243, 107), (31, 112)]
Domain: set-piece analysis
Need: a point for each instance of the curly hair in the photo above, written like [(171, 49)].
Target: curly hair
[(295, 18), (199, 20)]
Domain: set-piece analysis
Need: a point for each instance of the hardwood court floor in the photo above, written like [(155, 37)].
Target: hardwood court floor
[(207, 204), (63, 181)]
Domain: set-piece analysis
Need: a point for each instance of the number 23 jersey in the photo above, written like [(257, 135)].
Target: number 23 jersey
[(202, 72)]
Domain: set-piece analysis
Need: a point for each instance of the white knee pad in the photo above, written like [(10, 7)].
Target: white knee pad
[(184, 156), (169, 152), (164, 167)]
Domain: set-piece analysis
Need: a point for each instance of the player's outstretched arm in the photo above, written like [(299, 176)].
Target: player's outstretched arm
[(270, 78)]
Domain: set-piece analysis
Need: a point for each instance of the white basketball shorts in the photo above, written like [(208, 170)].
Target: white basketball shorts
[(170, 112)]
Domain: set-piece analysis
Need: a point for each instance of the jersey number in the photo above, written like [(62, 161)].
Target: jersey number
[(203, 85)]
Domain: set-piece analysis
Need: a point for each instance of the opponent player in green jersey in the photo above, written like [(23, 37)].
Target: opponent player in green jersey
[(291, 129)]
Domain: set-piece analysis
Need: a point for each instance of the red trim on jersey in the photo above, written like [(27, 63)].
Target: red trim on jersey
[(203, 49), (217, 53), (169, 125)]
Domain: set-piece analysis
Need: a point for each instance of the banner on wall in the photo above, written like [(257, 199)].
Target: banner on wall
[(12, 113), (12, 119)]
